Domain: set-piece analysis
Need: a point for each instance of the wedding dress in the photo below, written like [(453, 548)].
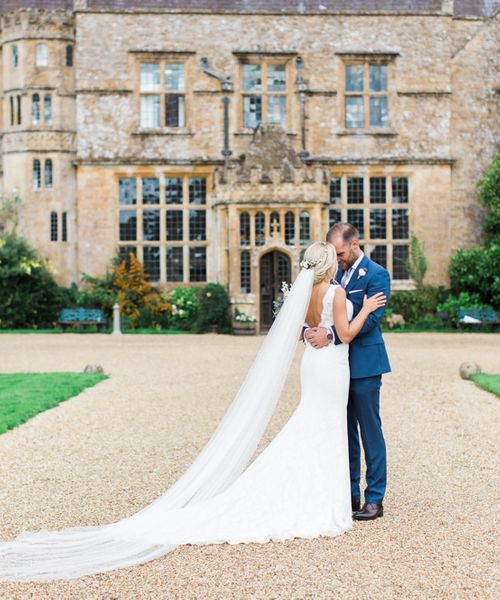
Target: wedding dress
[(298, 486)]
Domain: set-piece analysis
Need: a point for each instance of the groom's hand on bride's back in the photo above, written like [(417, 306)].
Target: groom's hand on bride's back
[(317, 337)]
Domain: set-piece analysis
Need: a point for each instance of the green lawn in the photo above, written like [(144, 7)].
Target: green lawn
[(24, 395), (490, 383)]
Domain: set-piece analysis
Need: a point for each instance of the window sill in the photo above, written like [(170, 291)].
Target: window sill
[(374, 132), (251, 131), (164, 131)]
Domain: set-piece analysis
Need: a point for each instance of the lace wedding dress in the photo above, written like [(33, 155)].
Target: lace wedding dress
[(298, 486)]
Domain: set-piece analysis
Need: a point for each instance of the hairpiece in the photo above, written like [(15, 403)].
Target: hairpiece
[(309, 264)]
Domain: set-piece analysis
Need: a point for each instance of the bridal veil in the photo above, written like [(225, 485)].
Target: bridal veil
[(79, 551)]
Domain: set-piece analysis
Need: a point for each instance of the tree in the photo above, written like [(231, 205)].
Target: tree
[(29, 295), (417, 263), (477, 270)]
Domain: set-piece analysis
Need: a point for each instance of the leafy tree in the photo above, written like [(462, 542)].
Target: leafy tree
[(29, 295), (477, 270), (417, 263)]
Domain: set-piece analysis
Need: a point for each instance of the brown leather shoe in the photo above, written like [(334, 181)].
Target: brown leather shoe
[(369, 511), (356, 504)]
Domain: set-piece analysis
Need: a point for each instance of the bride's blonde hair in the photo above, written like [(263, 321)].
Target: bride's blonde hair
[(321, 257)]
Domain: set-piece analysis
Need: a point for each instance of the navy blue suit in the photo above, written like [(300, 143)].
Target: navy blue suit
[(368, 361)]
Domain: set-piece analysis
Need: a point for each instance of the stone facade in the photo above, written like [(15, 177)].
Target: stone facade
[(127, 149)]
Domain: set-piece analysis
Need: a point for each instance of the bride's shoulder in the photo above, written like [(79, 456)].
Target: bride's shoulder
[(340, 293)]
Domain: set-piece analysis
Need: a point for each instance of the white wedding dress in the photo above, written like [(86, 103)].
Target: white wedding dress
[(299, 486)]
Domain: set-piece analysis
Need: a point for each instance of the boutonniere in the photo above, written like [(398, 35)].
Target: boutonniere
[(361, 273)]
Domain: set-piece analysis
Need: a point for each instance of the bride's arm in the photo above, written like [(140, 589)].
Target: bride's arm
[(348, 331)]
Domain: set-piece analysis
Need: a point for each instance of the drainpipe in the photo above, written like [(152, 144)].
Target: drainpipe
[(227, 87), (302, 88)]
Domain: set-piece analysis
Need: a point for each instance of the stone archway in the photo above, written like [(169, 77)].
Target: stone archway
[(275, 268)]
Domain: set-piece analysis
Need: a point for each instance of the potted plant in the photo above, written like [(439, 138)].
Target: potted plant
[(244, 324)]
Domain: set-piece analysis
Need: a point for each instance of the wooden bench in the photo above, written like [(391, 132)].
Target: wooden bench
[(477, 316), (82, 316)]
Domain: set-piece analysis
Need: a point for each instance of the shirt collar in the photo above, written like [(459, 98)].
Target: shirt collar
[(357, 263)]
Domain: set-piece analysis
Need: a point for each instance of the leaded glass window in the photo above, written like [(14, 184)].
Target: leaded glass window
[(151, 225), (366, 95), (305, 228), (69, 55), (378, 206), (166, 218), (48, 173), (244, 229), (260, 229), (265, 90), (150, 190), (41, 55), (151, 261), (245, 272), (128, 225), (37, 174), (15, 56), (64, 227), (47, 109), (175, 264), (35, 109), (53, 227), (162, 88), (127, 190), (197, 264), (290, 229)]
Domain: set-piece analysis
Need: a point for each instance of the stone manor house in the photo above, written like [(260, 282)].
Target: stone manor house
[(216, 139)]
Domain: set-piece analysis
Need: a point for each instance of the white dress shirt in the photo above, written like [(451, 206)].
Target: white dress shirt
[(346, 277)]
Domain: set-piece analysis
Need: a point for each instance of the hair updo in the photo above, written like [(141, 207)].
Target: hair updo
[(322, 258)]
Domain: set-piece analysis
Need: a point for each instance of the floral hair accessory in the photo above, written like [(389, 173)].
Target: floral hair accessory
[(309, 264)]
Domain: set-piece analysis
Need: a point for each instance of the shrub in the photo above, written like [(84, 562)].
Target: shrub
[(489, 196), (477, 271), (453, 304), (29, 295), (415, 305), (214, 307), (185, 307)]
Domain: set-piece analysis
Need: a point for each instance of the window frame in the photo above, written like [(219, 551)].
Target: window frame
[(186, 244), (14, 57), (366, 61), (39, 55), (341, 206), (264, 93), (162, 60)]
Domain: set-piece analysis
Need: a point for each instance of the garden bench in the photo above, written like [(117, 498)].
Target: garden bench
[(82, 316), (476, 316)]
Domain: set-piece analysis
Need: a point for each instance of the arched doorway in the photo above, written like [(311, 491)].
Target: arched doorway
[(274, 270)]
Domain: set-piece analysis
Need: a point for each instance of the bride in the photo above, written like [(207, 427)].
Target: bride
[(298, 487)]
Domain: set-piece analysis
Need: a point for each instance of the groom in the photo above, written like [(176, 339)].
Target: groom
[(368, 360)]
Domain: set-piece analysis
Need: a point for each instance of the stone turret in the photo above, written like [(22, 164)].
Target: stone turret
[(38, 125)]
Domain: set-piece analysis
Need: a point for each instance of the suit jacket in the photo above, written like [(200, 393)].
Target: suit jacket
[(367, 353)]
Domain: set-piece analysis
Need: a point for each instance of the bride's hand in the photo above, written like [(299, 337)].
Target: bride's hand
[(375, 302)]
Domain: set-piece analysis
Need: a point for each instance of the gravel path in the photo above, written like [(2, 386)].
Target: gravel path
[(117, 446)]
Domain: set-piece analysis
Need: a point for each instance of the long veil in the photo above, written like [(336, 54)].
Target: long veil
[(79, 551)]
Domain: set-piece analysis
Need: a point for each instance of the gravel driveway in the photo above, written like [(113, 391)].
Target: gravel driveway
[(116, 447)]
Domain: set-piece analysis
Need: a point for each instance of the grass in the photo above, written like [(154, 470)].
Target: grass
[(490, 383), (24, 395)]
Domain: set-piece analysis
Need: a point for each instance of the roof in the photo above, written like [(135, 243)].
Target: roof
[(462, 8)]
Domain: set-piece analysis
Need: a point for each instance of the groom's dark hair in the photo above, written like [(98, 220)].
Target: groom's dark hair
[(346, 230)]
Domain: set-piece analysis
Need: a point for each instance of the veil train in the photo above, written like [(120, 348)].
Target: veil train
[(78, 551)]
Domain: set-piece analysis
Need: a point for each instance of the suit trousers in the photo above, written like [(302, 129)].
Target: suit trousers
[(363, 416)]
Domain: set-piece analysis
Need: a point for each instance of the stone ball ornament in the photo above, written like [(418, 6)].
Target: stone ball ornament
[(469, 368), (93, 369)]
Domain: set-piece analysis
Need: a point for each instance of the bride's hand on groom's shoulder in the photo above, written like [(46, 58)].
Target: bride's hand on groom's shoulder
[(374, 302)]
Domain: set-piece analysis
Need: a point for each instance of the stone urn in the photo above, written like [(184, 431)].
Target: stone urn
[(469, 368)]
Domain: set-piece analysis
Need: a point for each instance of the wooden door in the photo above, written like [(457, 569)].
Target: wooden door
[(274, 270)]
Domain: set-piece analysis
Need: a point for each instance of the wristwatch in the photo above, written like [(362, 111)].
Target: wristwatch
[(329, 336)]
